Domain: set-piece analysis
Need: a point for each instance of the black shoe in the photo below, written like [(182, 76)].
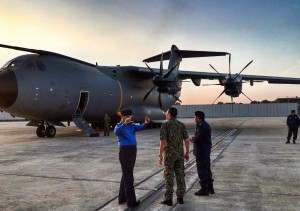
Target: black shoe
[(134, 204), (294, 142), (211, 189), (168, 202), (180, 200), (202, 192), (287, 142)]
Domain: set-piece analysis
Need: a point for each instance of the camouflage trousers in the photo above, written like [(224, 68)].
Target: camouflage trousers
[(171, 167)]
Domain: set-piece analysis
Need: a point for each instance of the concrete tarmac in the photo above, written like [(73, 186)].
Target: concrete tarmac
[(72, 171)]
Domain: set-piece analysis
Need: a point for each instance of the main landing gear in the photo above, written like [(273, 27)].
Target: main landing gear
[(48, 131)]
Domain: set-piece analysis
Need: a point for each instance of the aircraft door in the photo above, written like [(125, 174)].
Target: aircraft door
[(82, 104)]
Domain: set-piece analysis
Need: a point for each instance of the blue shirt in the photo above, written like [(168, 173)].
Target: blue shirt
[(126, 133)]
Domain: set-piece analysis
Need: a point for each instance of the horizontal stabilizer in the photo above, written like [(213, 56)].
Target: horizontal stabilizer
[(185, 54)]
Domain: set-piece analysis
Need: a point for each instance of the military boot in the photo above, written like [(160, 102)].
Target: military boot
[(203, 191), (180, 200), (211, 189), (168, 202)]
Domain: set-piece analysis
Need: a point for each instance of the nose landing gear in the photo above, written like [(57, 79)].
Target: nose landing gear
[(49, 131)]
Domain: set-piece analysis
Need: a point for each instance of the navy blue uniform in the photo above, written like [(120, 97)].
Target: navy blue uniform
[(127, 157), (293, 123), (202, 149)]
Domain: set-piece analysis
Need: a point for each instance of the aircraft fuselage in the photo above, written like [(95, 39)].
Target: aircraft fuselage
[(53, 88)]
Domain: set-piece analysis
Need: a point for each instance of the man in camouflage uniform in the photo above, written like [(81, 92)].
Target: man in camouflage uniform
[(172, 134), (106, 128)]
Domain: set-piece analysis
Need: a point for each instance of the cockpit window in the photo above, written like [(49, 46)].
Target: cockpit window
[(5, 65), (13, 64), (16, 64), (41, 66)]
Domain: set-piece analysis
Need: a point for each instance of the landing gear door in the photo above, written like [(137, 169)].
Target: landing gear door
[(82, 103)]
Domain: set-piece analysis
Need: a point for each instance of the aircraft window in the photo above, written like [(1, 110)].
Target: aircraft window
[(41, 66)]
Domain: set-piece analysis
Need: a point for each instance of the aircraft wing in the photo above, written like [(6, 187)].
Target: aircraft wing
[(196, 76), (271, 79), (199, 75)]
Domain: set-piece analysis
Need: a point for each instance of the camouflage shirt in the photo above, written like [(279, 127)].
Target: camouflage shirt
[(174, 132)]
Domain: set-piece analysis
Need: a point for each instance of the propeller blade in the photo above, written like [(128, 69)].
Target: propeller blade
[(159, 100), (170, 71), (176, 98), (146, 96), (231, 104), (152, 71), (246, 96), (243, 69), (229, 65), (216, 71), (161, 69), (219, 96)]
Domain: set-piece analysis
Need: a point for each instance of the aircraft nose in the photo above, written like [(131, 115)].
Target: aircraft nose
[(8, 89)]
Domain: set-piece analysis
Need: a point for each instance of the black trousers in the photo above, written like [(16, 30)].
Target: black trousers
[(204, 171), (294, 131), (127, 157)]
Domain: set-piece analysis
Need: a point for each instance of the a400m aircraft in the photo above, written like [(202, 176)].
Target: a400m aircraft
[(48, 88)]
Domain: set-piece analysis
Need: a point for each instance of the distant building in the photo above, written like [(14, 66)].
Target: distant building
[(289, 100)]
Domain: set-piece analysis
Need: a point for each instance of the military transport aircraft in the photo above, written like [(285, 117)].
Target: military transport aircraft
[(48, 88)]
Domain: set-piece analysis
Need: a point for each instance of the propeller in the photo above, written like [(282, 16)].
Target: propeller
[(230, 82), (161, 81), (219, 96)]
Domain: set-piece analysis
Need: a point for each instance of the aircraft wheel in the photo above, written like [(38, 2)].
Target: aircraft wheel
[(40, 131), (50, 131)]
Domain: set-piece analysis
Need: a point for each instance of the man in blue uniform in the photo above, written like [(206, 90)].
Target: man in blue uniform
[(202, 149), (293, 124), (125, 131)]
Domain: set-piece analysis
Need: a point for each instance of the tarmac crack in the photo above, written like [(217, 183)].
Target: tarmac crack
[(60, 178)]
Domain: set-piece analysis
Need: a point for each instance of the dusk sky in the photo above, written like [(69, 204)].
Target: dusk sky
[(119, 32)]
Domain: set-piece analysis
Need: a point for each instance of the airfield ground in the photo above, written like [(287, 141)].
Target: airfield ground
[(253, 169)]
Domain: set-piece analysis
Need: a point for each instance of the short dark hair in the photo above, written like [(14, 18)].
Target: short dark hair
[(200, 114), (293, 111), (126, 112), (172, 111)]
